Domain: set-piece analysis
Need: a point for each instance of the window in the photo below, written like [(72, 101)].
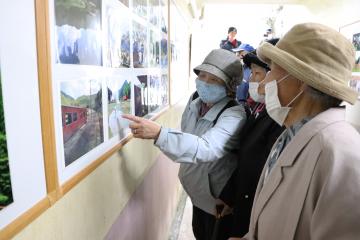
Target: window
[(68, 118)]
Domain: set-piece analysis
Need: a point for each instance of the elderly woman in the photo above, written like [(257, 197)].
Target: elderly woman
[(309, 187), (209, 131), (256, 140)]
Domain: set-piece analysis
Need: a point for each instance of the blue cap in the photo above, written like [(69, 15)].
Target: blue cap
[(244, 47)]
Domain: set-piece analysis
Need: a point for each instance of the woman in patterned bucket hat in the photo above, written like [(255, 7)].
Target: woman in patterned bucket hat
[(209, 134)]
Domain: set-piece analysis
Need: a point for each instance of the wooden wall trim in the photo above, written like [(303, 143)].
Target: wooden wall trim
[(72, 182), (46, 98), (23, 220)]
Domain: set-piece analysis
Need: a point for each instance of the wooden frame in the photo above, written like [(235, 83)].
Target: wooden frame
[(46, 99)]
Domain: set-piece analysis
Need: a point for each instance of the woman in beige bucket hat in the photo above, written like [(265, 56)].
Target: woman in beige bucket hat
[(310, 185), (209, 132)]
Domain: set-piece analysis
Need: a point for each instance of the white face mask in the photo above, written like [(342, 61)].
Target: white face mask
[(273, 106), (254, 92)]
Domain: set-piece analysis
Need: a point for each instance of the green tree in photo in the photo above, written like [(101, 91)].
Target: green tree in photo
[(5, 182), (78, 13), (124, 91)]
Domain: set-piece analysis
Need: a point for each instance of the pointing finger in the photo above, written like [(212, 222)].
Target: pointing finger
[(132, 118)]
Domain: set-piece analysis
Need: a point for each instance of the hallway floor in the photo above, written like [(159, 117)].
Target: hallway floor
[(181, 226), (186, 232)]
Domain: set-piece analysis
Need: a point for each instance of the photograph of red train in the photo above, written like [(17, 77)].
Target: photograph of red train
[(82, 117)]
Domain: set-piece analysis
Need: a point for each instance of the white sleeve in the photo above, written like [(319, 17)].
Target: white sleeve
[(188, 148)]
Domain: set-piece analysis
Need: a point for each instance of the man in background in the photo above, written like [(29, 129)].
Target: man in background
[(230, 42)]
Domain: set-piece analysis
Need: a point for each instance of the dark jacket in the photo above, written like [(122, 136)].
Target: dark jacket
[(256, 140), (226, 44)]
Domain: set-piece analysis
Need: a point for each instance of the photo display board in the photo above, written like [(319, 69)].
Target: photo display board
[(109, 57)]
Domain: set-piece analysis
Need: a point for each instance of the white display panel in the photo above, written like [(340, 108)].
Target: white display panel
[(20, 89), (179, 45)]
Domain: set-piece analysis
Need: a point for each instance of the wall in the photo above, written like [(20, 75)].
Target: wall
[(90, 209), (334, 13), (250, 19), (337, 14), (150, 210)]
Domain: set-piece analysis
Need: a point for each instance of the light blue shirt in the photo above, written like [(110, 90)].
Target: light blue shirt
[(203, 149), (242, 90)]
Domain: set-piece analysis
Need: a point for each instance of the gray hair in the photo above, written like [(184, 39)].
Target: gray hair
[(325, 100)]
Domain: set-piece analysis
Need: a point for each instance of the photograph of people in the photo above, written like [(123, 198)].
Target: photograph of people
[(139, 45), (78, 32), (140, 8), (118, 36), (154, 49), (141, 96)]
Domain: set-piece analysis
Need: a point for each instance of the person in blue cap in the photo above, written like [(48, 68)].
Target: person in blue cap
[(243, 49), (242, 92)]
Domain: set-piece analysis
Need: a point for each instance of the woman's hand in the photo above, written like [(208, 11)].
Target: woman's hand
[(143, 128)]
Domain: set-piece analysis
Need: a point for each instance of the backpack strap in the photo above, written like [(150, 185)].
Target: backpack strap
[(231, 103), (195, 96)]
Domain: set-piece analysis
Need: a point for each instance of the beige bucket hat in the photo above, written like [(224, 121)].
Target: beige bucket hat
[(223, 64), (317, 55)]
